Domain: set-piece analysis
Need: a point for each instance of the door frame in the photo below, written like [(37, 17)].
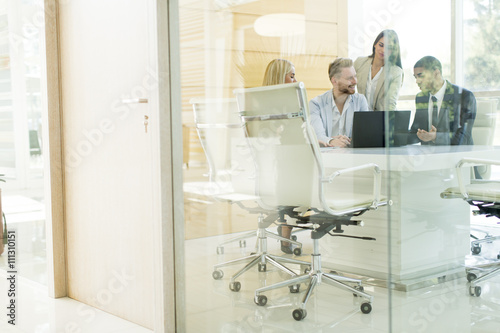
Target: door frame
[(167, 159)]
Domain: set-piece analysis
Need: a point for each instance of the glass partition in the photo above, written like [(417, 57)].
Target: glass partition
[(410, 259), (22, 108)]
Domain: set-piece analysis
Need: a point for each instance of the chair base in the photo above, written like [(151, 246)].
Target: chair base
[(260, 258), (475, 245), (314, 278), (262, 224), (492, 269)]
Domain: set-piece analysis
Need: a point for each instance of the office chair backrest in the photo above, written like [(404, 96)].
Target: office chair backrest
[(484, 124), (281, 140), (223, 140), (483, 131)]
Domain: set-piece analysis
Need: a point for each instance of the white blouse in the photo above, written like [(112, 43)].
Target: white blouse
[(371, 86)]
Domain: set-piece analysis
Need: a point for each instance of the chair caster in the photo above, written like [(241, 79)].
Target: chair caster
[(260, 300), (366, 308), (220, 250), (294, 238), (294, 289), (475, 291), (217, 274), (262, 267), (299, 314), (358, 288), (471, 277), (476, 249), (235, 286), (297, 251)]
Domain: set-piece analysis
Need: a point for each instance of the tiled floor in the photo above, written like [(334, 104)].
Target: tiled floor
[(212, 307)]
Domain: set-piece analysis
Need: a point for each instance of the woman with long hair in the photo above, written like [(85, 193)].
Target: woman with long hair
[(380, 75)]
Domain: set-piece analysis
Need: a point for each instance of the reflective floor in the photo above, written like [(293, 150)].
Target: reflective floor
[(37, 313), (444, 307), (212, 307)]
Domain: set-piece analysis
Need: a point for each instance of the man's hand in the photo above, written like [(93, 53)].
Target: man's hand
[(341, 141), (427, 136)]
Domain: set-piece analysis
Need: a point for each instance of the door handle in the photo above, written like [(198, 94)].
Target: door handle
[(134, 100)]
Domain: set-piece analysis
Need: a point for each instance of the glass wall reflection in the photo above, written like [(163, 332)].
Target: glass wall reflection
[(416, 268)]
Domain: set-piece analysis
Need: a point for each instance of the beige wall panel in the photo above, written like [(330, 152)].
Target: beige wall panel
[(321, 38), (264, 7), (321, 10)]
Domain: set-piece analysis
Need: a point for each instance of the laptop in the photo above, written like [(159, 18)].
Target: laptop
[(369, 130)]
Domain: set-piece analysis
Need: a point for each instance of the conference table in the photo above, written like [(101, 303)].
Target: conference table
[(421, 238)]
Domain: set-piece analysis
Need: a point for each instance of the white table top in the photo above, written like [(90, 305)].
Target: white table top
[(409, 158)]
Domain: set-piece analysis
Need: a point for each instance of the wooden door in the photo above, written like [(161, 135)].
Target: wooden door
[(107, 82)]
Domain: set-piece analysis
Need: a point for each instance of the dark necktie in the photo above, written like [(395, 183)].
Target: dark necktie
[(434, 111)]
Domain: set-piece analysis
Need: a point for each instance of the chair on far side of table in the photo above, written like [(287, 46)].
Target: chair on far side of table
[(485, 196)]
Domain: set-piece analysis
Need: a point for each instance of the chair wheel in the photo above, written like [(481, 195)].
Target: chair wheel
[(299, 314), (217, 274), (358, 288), (471, 277), (294, 238), (297, 251), (475, 291), (235, 286), (260, 300), (366, 308), (262, 267), (294, 289), (476, 249)]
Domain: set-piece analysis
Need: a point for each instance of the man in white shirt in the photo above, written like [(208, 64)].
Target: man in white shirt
[(332, 112), (445, 113)]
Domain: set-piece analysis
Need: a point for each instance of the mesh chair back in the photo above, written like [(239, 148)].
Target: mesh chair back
[(223, 140), (281, 140)]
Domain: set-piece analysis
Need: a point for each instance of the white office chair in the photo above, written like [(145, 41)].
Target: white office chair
[(484, 195), (290, 174), (483, 133), (232, 179), (483, 130)]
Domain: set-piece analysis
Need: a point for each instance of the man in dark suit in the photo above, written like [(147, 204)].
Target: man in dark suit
[(445, 113)]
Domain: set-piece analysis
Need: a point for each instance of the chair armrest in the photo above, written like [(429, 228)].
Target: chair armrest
[(465, 161), (377, 178), (331, 177)]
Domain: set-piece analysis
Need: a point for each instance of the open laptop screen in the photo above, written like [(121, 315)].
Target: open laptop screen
[(369, 130)]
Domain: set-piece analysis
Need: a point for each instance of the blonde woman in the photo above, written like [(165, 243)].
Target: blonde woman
[(280, 71)]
